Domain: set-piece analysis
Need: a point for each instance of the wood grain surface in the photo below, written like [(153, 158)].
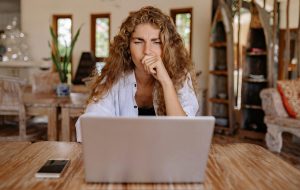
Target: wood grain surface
[(9, 149), (231, 166)]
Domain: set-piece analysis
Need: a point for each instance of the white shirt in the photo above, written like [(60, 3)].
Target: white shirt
[(120, 101)]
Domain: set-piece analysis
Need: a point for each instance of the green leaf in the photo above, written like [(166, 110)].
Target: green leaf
[(57, 65), (73, 42), (62, 65), (55, 45), (65, 65)]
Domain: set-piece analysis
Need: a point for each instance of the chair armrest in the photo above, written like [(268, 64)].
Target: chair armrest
[(272, 103), (21, 81)]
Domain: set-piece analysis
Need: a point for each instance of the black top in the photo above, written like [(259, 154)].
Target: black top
[(147, 111)]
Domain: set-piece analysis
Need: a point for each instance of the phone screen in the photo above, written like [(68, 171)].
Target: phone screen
[(52, 169)]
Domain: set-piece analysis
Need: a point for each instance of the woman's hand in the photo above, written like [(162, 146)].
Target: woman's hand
[(154, 65)]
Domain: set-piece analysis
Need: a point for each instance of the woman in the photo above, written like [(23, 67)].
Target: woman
[(148, 71)]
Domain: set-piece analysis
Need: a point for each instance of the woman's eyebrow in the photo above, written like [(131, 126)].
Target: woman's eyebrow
[(155, 39), (137, 38), (141, 39)]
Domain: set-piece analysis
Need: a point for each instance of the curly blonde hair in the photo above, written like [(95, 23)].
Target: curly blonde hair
[(174, 55)]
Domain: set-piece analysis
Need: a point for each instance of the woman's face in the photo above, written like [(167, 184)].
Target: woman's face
[(144, 41)]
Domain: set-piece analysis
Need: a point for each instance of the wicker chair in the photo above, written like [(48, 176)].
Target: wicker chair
[(11, 104)]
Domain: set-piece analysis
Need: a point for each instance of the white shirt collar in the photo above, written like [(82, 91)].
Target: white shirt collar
[(129, 78)]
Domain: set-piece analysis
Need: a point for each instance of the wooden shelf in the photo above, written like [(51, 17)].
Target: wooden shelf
[(257, 73), (218, 72), (226, 130), (218, 44), (221, 66), (222, 127), (292, 67), (244, 133), (256, 53), (247, 79), (219, 100), (247, 106)]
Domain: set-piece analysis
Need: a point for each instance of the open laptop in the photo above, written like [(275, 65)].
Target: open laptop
[(146, 149)]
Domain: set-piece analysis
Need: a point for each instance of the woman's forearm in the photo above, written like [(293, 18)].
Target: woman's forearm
[(173, 106)]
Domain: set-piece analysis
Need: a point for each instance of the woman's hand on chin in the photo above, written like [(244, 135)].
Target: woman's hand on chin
[(154, 65)]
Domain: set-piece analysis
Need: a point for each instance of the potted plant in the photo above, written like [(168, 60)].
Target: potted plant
[(62, 60)]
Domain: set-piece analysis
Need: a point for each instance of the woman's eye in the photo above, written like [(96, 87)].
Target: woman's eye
[(157, 42), (137, 42)]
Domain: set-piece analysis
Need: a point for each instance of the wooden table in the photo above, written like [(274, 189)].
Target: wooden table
[(70, 109), (49, 105), (9, 149), (231, 166), (43, 104)]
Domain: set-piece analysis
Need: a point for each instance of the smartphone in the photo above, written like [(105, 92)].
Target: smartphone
[(52, 169)]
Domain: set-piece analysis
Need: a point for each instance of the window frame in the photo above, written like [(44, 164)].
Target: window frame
[(55, 18), (174, 12), (93, 33)]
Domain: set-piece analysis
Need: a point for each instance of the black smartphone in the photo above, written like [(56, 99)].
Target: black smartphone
[(52, 169)]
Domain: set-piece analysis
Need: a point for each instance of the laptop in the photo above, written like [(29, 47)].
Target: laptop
[(146, 149)]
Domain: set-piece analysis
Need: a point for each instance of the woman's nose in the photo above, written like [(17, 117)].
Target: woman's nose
[(147, 48)]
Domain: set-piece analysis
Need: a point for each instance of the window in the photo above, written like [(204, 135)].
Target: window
[(100, 36), (183, 21), (62, 25)]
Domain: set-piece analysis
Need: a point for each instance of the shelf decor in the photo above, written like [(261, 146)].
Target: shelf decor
[(220, 88), (257, 73)]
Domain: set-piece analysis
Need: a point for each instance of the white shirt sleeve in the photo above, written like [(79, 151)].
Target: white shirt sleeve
[(187, 98), (103, 107)]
